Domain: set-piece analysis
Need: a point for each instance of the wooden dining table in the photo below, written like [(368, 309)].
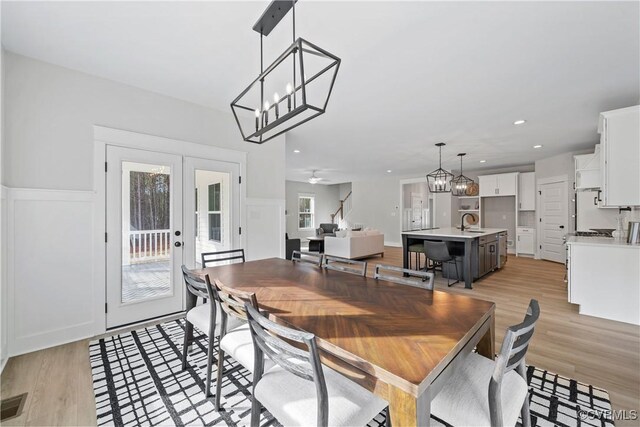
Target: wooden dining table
[(398, 341)]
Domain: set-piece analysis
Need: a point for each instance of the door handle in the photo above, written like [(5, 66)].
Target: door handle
[(561, 226), (177, 233), (177, 244)]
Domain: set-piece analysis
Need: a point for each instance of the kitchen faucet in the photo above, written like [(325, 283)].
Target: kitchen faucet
[(462, 220)]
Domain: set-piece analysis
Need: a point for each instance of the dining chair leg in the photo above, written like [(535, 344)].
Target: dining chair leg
[(188, 336), (524, 413), (209, 365), (219, 381), (256, 407)]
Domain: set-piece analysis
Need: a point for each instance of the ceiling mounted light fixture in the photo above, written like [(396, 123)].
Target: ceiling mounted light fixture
[(304, 73), (313, 179), (460, 183), (519, 122), (439, 180), (537, 146)]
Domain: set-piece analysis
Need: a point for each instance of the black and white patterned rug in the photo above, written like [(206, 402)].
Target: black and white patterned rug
[(138, 381)]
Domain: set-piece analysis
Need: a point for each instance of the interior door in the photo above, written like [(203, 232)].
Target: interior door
[(416, 211), (554, 220), (212, 208), (144, 224)]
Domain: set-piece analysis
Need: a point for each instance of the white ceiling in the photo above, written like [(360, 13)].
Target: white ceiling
[(412, 73)]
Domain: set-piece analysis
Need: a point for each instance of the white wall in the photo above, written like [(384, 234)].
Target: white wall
[(327, 201), (48, 145), (4, 351), (376, 204)]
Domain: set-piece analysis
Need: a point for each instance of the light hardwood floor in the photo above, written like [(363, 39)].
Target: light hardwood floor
[(603, 353)]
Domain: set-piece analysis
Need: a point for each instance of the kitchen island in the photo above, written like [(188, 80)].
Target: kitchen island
[(466, 244)]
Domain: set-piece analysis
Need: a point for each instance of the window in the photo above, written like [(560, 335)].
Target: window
[(215, 213), (306, 210)]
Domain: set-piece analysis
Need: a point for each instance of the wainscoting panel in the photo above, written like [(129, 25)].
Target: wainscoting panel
[(265, 228), (50, 265)]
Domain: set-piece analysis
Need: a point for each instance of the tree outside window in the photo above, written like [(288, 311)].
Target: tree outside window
[(306, 211)]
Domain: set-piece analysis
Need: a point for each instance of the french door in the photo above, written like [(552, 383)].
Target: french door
[(144, 228), (162, 211)]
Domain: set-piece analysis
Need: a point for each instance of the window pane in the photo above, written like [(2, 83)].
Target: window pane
[(214, 197), (306, 221), (215, 229), (305, 204)]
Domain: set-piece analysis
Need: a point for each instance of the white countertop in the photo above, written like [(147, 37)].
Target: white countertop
[(600, 241), (454, 232)]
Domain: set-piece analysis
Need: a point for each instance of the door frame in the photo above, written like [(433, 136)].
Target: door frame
[(104, 136), (539, 183)]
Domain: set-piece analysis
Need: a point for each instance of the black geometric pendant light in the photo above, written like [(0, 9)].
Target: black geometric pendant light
[(294, 89), (439, 180), (460, 183)]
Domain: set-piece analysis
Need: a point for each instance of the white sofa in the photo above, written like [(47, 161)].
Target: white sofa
[(355, 244)]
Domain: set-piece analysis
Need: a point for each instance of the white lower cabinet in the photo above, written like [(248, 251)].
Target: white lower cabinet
[(604, 280), (525, 241)]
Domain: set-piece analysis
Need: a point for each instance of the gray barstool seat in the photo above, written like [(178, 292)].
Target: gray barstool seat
[(438, 252)]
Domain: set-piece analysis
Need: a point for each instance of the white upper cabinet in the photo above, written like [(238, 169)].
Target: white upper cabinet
[(588, 173), (619, 156), (504, 184), (488, 185), (527, 191)]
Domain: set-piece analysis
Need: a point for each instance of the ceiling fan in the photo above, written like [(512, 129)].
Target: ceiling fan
[(313, 179)]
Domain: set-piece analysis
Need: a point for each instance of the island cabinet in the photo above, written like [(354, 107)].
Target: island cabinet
[(504, 184)]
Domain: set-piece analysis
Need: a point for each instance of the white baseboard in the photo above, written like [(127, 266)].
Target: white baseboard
[(393, 244)]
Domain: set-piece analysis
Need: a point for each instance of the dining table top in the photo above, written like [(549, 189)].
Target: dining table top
[(401, 334)]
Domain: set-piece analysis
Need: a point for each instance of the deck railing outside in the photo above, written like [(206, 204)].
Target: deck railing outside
[(148, 245)]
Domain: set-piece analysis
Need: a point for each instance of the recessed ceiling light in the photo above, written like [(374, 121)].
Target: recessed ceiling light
[(296, 151), (537, 146), (388, 170), (483, 161), (519, 122)]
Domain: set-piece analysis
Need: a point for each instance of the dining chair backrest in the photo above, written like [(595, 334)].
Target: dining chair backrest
[(232, 301), (308, 257), (436, 251), (195, 285), (345, 265), (210, 259), (417, 278), (269, 339), (514, 347)]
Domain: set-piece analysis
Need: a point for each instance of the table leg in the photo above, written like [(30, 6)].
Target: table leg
[(408, 410), (466, 264), (486, 346)]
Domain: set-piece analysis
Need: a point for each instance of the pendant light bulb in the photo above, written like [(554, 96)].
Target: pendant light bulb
[(257, 112), (289, 89), (266, 105), (276, 97)]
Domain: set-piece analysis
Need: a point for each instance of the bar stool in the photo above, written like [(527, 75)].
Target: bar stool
[(438, 253), (417, 248)]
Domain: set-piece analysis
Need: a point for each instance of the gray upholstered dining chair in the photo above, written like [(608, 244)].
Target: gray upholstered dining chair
[(235, 342), (418, 279), (487, 392), (298, 390), (345, 265), (210, 259), (308, 257), (206, 317), (438, 253)]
